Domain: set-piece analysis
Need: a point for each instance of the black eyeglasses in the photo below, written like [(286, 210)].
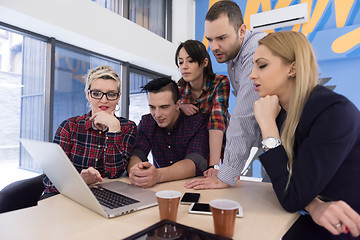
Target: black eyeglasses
[(111, 96)]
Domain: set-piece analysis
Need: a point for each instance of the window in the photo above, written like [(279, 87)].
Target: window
[(22, 91), (112, 5), (149, 14), (26, 85), (71, 68), (42, 83), (138, 99), (154, 15)]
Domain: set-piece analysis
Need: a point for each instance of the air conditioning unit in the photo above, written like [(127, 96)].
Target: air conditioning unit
[(279, 18)]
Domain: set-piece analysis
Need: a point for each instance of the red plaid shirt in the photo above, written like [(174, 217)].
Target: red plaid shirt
[(214, 100), (86, 147)]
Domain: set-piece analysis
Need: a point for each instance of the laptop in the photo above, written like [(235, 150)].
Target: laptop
[(62, 173)]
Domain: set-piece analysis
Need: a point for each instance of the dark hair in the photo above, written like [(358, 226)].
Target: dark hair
[(197, 52), (228, 8), (161, 85)]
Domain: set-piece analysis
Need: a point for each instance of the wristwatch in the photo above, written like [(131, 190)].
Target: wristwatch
[(214, 167), (270, 143)]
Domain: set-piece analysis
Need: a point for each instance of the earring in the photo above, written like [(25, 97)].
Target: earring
[(117, 107), (88, 106), (293, 76), (179, 72)]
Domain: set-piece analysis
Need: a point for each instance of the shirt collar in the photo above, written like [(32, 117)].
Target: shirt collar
[(207, 84), (187, 89), (88, 123), (177, 123), (205, 87)]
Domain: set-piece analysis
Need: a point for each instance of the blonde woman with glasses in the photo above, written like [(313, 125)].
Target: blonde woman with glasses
[(311, 138), (98, 143)]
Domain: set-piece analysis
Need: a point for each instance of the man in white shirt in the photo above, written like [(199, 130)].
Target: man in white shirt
[(232, 44)]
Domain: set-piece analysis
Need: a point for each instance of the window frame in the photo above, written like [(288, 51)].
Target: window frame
[(51, 44), (121, 7)]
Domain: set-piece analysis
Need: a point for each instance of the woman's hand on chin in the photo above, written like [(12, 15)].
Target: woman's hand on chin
[(266, 110), (103, 119)]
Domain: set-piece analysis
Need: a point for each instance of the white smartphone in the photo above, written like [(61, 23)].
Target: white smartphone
[(204, 208)]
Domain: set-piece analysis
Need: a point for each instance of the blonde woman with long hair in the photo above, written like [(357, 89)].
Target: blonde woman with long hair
[(311, 138)]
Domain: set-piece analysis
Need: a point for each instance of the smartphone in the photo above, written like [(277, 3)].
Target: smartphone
[(189, 198), (204, 208)]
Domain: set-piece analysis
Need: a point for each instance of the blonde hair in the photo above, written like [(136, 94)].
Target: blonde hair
[(103, 72), (294, 47)]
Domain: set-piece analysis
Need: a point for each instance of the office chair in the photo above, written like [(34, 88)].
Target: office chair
[(21, 194)]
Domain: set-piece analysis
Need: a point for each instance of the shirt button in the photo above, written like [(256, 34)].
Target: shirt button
[(168, 133), (99, 146), (96, 160), (169, 146), (171, 162), (107, 137), (99, 132)]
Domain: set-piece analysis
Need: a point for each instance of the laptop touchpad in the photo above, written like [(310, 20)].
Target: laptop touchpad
[(121, 187)]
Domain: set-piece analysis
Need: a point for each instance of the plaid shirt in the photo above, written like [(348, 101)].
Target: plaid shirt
[(187, 140), (214, 100), (86, 147)]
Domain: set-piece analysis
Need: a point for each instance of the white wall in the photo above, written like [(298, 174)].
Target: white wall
[(85, 24), (183, 20)]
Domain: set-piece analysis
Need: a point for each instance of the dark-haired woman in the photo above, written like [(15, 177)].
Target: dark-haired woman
[(203, 91)]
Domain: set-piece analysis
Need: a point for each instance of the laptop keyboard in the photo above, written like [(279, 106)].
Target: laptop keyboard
[(111, 199)]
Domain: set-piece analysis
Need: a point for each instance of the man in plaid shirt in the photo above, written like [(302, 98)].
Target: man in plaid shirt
[(179, 143)]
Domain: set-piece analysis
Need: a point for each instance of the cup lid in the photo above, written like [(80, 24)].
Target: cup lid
[(224, 204), (168, 194)]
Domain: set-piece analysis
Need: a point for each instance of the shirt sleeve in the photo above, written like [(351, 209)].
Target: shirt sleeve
[(219, 114), (184, 96), (243, 131), (118, 149), (331, 137), (142, 144), (198, 147)]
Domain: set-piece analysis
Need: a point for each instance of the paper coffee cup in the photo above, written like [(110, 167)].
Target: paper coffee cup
[(168, 204), (224, 216)]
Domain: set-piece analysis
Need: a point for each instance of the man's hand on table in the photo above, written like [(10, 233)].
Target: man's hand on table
[(206, 183), (143, 174)]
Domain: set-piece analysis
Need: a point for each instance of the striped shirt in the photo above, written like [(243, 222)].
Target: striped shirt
[(214, 100), (243, 132), (107, 152)]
